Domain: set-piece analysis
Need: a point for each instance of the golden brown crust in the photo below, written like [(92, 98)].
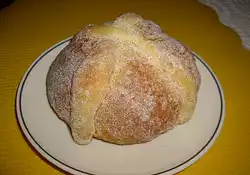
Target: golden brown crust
[(138, 109), (123, 82)]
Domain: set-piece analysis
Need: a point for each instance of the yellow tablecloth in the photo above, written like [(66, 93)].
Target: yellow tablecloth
[(27, 28)]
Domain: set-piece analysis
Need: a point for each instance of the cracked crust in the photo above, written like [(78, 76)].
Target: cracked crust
[(124, 82)]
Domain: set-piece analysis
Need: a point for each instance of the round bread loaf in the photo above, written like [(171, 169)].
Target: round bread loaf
[(123, 82)]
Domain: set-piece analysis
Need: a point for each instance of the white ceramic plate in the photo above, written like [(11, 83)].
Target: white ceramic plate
[(167, 154)]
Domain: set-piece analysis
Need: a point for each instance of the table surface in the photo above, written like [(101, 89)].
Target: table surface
[(27, 28)]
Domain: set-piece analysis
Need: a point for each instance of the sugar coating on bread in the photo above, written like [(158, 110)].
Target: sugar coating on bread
[(124, 82)]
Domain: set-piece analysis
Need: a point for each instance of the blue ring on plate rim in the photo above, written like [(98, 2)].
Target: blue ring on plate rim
[(170, 169)]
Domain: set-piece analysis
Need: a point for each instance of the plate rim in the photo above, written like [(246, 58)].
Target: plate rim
[(63, 166)]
